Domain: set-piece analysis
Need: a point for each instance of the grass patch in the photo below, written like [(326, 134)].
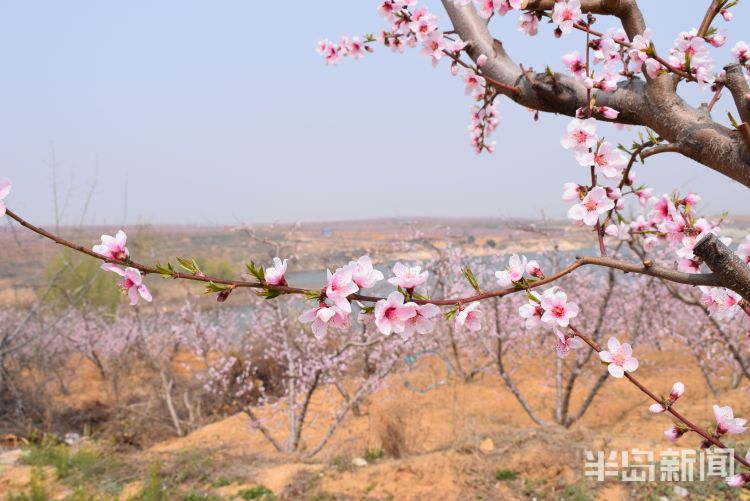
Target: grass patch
[(373, 455), (503, 475), (260, 492)]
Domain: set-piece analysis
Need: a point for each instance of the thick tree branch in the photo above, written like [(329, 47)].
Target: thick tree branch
[(627, 10), (737, 85), (654, 105), (732, 272)]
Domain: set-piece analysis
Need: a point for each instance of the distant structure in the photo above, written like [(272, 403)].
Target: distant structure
[(327, 232)]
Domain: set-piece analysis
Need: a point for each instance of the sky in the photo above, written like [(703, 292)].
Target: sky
[(194, 112)]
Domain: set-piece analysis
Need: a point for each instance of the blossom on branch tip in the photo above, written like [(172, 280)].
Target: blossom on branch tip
[(619, 357), (391, 314), (275, 274), (469, 316), (408, 277), (132, 282), (113, 247), (5, 186)]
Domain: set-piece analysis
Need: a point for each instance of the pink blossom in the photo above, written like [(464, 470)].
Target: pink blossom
[(391, 314), (619, 357), (356, 49), (528, 23), (726, 423), (607, 112), (423, 23), (620, 231), (275, 274), (481, 60), (556, 307), (408, 277), (340, 286), (653, 67), (470, 317), (132, 282), (656, 408), (513, 273), (533, 269), (5, 186), (363, 274), (640, 48), (487, 8), (575, 63), (423, 322), (571, 192), (434, 45), (322, 316), (741, 52), (720, 303), (726, 14), (743, 250), (113, 247), (674, 432), (739, 479), (532, 311), (609, 160), (565, 344), (474, 83), (581, 134), (678, 389), (566, 13), (594, 203)]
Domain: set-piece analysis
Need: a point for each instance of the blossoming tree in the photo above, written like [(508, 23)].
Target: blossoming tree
[(617, 76)]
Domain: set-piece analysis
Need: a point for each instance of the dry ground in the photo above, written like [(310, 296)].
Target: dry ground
[(458, 441)]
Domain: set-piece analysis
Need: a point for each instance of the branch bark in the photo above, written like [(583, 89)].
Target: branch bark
[(654, 104), (732, 272)]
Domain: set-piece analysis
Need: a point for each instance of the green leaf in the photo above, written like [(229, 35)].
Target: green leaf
[(166, 272), (270, 293), (731, 119), (190, 265), (472, 279), (451, 313), (312, 295), (368, 310), (420, 297), (256, 271), (214, 287)]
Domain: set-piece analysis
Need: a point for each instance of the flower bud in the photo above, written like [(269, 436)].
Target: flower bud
[(481, 60), (656, 408), (674, 432), (677, 390), (739, 480)]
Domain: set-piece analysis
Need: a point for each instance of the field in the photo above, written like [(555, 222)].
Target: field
[(444, 424)]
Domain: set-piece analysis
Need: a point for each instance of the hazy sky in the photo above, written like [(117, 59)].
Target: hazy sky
[(219, 112)]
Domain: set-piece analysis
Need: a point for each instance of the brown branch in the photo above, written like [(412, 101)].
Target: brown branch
[(731, 271), (707, 279), (700, 431), (711, 13), (737, 85), (662, 148), (654, 104)]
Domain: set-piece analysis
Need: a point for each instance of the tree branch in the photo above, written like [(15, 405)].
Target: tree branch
[(655, 105), (707, 279), (732, 272)]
